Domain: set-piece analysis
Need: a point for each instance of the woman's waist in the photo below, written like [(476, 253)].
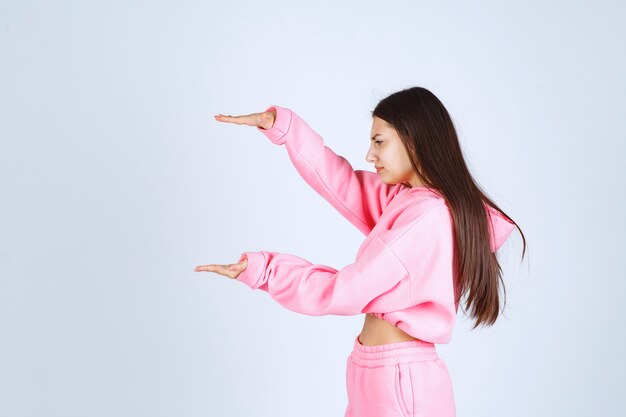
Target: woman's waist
[(377, 331), (384, 344)]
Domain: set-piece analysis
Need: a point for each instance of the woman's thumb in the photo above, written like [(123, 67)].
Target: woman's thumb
[(266, 120)]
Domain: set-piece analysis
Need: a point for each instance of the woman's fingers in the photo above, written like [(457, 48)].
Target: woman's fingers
[(246, 119), (220, 269), (230, 270), (264, 120), (232, 119)]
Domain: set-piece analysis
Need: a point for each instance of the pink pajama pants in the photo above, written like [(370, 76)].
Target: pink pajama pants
[(402, 379)]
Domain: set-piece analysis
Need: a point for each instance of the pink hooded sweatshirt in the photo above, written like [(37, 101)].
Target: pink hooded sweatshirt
[(403, 271)]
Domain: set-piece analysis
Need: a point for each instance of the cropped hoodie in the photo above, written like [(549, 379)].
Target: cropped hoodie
[(403, 272)]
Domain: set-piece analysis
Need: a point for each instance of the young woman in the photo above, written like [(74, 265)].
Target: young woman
[(431, 238)]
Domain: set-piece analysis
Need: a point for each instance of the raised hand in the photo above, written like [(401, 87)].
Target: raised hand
[(263, 120)]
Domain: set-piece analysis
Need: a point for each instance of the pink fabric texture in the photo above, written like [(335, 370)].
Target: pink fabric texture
[(402, 379), (403, 271)]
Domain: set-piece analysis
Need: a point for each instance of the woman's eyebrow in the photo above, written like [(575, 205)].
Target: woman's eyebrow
[(376, 135)]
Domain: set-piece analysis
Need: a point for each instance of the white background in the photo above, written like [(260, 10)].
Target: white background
[(116, 181)]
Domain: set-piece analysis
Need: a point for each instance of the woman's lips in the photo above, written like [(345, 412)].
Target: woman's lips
[(378, 170)]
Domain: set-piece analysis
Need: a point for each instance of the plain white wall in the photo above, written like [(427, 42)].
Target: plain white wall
[(116, 182)]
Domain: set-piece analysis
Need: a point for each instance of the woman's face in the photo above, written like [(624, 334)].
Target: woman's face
[(387, 152)]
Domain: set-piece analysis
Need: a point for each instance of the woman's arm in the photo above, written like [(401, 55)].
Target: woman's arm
[(392, 270), (360, 196)]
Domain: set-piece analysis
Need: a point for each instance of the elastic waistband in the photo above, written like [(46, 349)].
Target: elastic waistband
[(392, 353)]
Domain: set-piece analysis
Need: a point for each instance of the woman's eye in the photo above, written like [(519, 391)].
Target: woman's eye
[(378, 142)]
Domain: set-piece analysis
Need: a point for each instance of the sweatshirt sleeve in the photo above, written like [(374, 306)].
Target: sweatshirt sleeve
[(360, 196), (381, 278)]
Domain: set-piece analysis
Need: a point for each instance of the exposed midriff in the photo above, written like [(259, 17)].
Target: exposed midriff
[(377, 331)]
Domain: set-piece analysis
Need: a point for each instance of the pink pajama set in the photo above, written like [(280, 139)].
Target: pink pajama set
[(403, 273)]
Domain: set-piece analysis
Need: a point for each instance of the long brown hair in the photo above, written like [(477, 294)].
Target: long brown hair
[(427, 131)]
